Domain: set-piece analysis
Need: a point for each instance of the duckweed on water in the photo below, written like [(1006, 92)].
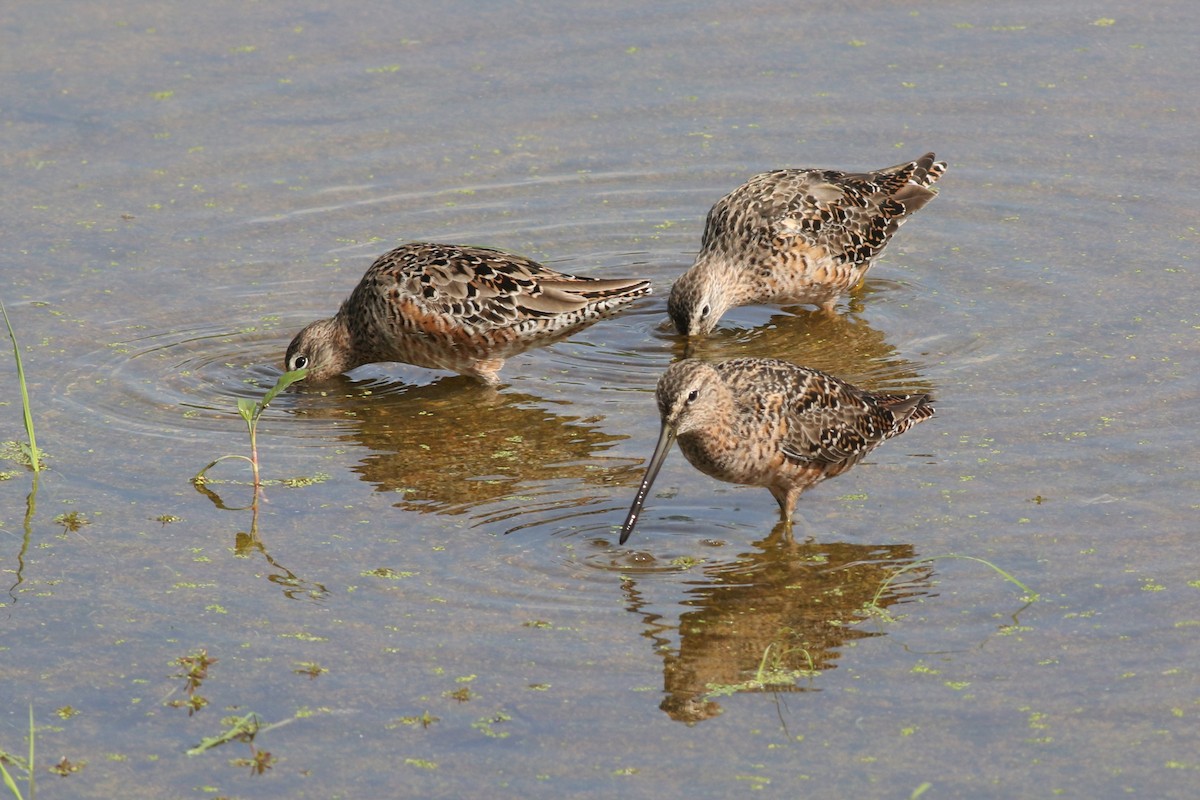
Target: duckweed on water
[(425, 720), (310, 668), (300, 482), (486, 725), (259, 762), (72, 521), (66, 766), (195, 672)]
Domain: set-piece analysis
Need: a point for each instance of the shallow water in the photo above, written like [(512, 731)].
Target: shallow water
[(186, 187)]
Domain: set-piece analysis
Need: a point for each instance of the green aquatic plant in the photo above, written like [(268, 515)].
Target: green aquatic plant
[(9, 782), (774, 667), (251, 412), (241, 729), (874, 607), (196, 672), (31, 449), (248, 541), (244, 729), (28, 451)]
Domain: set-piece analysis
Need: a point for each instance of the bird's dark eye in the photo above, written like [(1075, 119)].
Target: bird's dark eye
[(704, 312), (692, 395), (299, 362)]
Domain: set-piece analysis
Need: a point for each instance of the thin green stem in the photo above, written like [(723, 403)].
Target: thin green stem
[(930, 559), (254, 457), (200, 476)]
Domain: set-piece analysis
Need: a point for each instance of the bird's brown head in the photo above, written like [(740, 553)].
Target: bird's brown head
[(322, 348), (691, 395), (698, 299)]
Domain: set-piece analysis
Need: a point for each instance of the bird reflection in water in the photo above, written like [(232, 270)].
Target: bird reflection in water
[(846, 345), (773, 620), (456, 447)]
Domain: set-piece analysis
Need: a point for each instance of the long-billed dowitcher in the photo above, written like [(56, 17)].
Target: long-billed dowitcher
[(464, 309), (797, 236), (766, 422)]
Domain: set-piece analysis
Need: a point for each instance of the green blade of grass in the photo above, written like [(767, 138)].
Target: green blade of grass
[(35, 458), (9, 783)]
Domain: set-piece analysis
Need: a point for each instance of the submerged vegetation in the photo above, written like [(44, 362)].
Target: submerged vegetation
[(875, 608), (244, 729)]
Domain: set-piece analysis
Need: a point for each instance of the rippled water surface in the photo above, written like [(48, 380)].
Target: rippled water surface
[(430, 600)]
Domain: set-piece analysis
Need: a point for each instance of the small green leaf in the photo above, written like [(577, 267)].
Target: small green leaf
[(285, 380), (247, 408)]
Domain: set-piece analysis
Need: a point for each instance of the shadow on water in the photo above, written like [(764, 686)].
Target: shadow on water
[(773, 619), (453, 445), (446, 444), (844, 345)]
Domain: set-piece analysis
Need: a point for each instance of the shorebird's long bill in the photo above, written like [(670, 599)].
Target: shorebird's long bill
[(665, 439)]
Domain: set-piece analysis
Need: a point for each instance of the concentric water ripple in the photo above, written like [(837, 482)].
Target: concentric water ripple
[(545, 454), (186, 378)]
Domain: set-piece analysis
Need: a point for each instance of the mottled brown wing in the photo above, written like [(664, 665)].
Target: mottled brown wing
[(833, 422), (851, 216), (480, 289), (824, 418)]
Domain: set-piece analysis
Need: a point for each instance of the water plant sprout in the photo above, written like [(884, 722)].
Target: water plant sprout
[(251, 412)]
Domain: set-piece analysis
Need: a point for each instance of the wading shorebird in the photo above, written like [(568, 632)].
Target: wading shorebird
[(766, 422), (796, 236), (452, 307)]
